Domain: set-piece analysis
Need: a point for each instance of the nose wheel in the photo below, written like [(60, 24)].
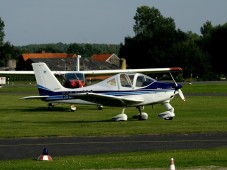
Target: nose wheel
[(169, 114)]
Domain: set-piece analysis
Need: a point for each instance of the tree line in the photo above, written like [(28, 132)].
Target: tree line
[(156, 43), (85, 50)]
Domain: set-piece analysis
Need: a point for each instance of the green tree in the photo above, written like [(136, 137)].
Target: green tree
[(85, 50), (2, 34), (89, 50), (8, 51), (206, 28), (150, 23), (214, 42), (154, 37), (75, 48), (192, 59), (157, 43)]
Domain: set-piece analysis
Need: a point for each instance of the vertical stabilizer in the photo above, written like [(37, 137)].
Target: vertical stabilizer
[(45, 78)]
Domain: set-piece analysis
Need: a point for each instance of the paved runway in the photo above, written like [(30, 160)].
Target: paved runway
[(62, 146)]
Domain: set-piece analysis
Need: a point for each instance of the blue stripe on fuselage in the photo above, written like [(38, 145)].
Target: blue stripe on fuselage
[(154, 87)]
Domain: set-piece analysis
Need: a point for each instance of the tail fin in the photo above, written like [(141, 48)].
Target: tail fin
[(46, 81)]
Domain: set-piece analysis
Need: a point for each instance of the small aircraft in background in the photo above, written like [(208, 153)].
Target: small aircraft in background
[(128, 88), (73, 80)]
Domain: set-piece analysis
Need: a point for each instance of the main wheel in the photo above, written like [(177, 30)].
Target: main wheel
[(73, 107), (169, 118), (50, 106), (142, 116), (100, 107)]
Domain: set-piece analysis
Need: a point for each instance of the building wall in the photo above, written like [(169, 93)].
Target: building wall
[(114, 60)]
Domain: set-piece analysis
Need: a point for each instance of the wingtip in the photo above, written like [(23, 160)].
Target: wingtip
[(176, 69)]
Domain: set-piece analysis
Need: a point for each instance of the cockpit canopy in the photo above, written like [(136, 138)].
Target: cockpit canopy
[(129, 80)]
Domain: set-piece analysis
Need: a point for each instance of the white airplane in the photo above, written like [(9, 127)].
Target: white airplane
[(125, 89)]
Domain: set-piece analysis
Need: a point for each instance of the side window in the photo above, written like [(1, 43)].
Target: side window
[(125, 81), (112, 82), (131, 77), (139, 81)]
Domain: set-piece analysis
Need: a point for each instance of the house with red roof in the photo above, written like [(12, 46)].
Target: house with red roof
[(55, 61), (110, 58), (64, 61)]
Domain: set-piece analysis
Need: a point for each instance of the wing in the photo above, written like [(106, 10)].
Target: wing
[(32, 72), (16, 72), (104, 72), (35, 97), (109, 72), (107, 100)]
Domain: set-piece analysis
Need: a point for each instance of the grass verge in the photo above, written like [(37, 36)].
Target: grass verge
[(185, 159)]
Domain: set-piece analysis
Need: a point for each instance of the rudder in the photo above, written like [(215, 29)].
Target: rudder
[(45, 78)]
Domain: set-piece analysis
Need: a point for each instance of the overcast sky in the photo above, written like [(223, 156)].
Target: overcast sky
[(97, 21)]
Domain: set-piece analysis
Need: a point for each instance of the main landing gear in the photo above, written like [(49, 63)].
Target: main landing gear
[(50, 106), (72, 107), (141, 115), (123, 117)]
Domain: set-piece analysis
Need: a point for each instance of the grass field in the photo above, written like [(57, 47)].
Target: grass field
[(212, 159), (199, 114)]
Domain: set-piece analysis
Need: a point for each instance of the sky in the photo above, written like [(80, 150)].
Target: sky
[(97, 21)]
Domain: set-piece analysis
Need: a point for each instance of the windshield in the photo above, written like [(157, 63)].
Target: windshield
[(143, 80)]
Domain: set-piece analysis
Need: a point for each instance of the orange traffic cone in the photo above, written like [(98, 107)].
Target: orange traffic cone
[(45, 156), (172, 166)]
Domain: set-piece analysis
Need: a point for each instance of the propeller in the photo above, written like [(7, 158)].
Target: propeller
[(181, 94), (178, 90)]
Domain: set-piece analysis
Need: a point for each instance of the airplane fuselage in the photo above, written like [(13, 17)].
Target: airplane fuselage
[(155, 92)]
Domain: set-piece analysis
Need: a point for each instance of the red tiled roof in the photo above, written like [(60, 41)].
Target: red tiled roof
[(47, 55), (100, 57)]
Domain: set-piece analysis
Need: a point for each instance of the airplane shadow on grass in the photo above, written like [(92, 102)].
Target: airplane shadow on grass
[(60, 110), (66, 110)]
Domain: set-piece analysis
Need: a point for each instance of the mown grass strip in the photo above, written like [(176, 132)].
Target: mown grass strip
[(31, 118), (186, 159)]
